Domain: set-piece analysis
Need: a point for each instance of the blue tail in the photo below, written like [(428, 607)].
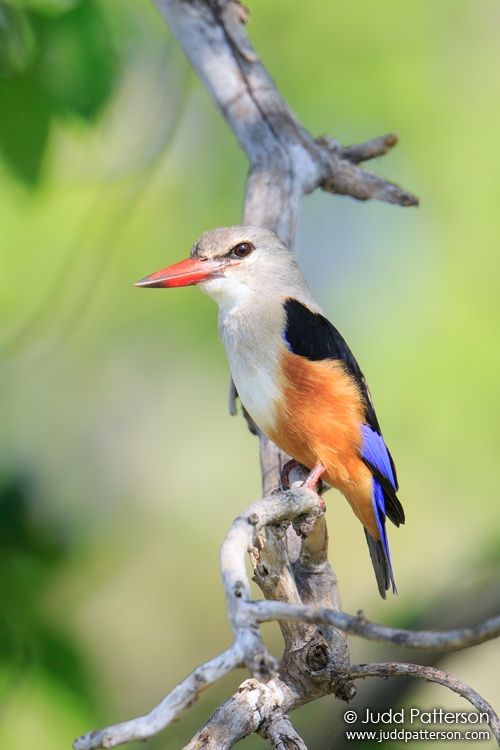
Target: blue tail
[(385, 504)]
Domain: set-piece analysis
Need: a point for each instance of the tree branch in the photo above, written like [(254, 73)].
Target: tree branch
[(278, 509), (248, 647), (313, 669), (424, 640), (254, 708), (286, 161), (182, 696), (270, 703)]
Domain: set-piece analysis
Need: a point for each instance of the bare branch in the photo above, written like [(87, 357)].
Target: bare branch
[(280, 508), (286, 161), (254, 708), (370, 149), (275, 574), (183, 695), (248, 647), (279, 731), (430, 674), (425, 640)]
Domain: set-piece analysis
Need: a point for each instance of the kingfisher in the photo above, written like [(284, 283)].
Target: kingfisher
[(294, 373)]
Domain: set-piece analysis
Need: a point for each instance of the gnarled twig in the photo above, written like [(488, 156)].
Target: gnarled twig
[(424, 640)]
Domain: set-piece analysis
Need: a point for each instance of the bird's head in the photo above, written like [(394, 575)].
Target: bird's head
[(229, 263)]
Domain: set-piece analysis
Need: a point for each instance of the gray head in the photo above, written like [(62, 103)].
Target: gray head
[(235, 264)]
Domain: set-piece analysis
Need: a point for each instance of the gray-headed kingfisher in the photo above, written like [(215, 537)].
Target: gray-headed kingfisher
[(294, 373)]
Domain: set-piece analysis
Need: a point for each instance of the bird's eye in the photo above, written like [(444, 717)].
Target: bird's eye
[(242, 250)]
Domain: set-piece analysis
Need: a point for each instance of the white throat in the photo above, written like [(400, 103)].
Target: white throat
[(248, 329)]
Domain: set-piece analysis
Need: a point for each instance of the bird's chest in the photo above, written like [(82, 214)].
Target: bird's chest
[(253, 360)]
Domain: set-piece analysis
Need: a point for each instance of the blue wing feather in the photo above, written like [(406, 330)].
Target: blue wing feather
[(375, 452)]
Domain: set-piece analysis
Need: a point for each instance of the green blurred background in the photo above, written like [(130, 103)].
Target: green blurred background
[(120, 470)]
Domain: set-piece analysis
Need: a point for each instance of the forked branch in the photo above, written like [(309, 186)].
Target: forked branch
[(263, 702), (286, 161)]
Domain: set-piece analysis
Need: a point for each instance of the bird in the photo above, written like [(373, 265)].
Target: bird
[(294, 373)]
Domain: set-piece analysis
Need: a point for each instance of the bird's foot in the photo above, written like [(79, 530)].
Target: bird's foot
[(312, 478), (315, 477)]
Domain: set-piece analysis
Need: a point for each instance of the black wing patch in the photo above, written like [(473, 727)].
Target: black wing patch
[(311, 335)]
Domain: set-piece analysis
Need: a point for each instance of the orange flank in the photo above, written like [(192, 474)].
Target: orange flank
[(319, 418)]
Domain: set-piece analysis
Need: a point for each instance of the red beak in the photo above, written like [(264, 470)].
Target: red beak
[(185, 273)]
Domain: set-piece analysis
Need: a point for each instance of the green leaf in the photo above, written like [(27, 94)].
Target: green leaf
[(77, 63), (24, 124), (17, 44), (51, 65)]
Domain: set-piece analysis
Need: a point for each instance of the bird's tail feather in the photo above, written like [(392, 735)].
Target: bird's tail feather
[(383, 571), (379, 549)]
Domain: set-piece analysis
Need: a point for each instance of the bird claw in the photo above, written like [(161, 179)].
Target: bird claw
[(286, 471), (311, 480)]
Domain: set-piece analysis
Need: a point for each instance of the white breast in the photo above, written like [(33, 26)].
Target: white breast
[(253, 360), (251, 324)]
